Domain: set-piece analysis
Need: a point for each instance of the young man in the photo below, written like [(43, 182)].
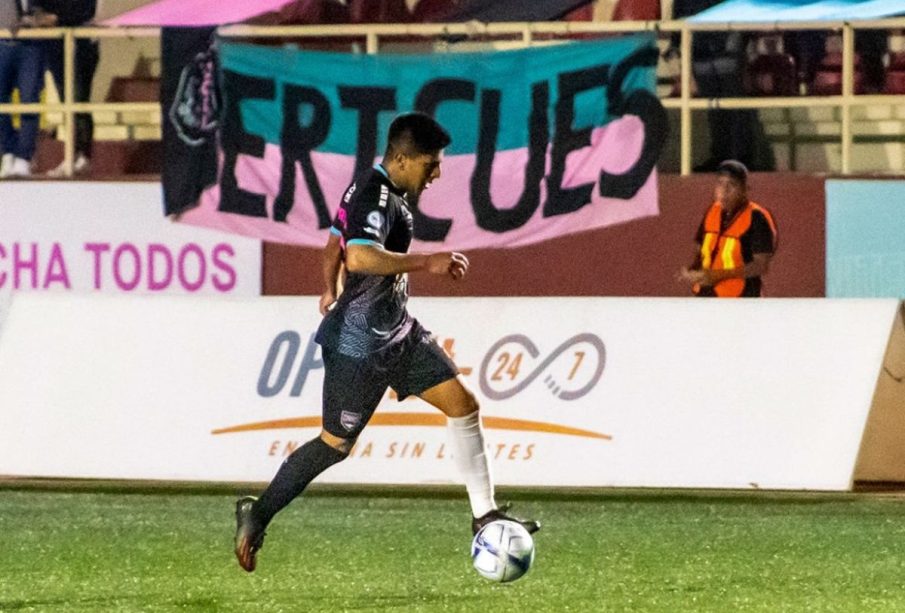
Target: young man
[(735, 241), (72, 13), (370, 342), (22, 68)]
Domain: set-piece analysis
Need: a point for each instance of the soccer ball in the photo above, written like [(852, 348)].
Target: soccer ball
[(502, 551)]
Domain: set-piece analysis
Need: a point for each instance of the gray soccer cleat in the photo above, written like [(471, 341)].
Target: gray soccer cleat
[(477, 523)]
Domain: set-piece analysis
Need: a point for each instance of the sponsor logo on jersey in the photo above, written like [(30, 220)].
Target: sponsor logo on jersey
[(375, 220), (349, 192)]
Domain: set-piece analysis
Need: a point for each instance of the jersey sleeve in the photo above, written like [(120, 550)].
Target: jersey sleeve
[(762, 237), (336, 227), (368, 217)]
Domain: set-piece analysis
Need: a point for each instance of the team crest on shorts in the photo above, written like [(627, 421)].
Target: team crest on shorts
[(349, 420)]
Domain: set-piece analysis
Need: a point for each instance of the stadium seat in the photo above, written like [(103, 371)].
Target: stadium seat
[(894, 82), (773, 71), (427, 11), (828, 78), (382, 11), (637, 10), (895, 73), (582, 13)]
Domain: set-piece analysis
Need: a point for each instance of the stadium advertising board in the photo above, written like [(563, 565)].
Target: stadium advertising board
[(575, 391), (111, 238), (865, 255), (547, 140)]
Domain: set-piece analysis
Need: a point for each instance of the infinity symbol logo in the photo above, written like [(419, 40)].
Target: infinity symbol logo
[(568, 372)]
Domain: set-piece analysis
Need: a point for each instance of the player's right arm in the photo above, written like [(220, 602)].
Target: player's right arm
[(373, 259), (332, 268), (369, 219)]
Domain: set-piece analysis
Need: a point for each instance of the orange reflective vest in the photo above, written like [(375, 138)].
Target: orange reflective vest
[(721, 249)]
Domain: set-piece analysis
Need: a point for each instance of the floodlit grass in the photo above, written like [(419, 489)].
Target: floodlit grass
[(619, 551)]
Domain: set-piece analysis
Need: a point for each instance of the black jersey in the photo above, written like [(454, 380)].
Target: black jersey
[(370, 315)]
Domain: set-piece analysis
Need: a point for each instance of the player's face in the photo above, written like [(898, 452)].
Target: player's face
[(423, 169), (729, 192)]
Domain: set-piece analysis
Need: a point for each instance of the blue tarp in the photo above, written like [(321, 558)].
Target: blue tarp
[(799, 10)]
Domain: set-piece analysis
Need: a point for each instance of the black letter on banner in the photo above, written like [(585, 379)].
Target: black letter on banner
[(559, 200), (432, 94), (235, 140), (649, 110), (296, 144), (487, 215), (369, 101)]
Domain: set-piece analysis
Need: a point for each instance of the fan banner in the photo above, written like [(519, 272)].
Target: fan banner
[(547, 141)]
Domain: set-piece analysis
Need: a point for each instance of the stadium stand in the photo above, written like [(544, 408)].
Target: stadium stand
[(773, 72), (803, 138)]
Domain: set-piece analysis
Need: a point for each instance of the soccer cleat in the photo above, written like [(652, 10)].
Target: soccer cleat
[(477, 523), (249, 537)]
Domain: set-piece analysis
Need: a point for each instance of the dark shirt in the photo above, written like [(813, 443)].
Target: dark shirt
[(370, 315), (68, 12)]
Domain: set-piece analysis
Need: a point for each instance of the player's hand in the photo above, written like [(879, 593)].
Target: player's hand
[(328, 299), (458, 267), (448, 263)]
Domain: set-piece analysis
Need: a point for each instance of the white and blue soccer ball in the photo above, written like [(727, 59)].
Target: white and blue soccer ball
[(502, 551)]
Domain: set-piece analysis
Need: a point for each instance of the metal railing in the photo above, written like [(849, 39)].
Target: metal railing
[(68, 107), (526, 33)]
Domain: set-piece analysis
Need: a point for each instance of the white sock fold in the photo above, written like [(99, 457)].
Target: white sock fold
[(469, 452)]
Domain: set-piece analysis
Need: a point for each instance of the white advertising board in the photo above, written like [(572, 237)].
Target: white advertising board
[(69, 237), (574, 391)]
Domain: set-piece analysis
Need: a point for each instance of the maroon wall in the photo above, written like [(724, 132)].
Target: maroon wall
[(638, 258)]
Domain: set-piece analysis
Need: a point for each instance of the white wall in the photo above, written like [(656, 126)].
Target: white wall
[(670, 392)]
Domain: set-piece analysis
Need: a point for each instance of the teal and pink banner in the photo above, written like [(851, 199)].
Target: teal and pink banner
[(547, 141)]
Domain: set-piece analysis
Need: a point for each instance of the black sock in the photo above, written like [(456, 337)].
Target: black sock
[(299, 469)]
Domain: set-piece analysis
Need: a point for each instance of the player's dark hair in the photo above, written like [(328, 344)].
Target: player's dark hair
[(415, 134)]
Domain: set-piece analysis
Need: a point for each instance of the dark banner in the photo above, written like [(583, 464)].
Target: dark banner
[(190, 107)]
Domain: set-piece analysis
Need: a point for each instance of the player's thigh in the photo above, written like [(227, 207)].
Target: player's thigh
[(452, 397), (422, 366), (352, 390)]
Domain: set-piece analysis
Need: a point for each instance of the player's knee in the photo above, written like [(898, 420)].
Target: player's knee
[(343, 445), (470, 403), (473, 405)]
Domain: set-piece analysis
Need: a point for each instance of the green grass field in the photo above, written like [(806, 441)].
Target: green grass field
[(359, 551)]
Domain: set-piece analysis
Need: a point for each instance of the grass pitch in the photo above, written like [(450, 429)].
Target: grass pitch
[(612, 551)]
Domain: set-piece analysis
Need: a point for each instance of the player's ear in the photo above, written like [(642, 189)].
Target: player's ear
[(400, 159)]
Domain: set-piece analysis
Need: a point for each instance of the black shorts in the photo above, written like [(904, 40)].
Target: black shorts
[(353, 387)]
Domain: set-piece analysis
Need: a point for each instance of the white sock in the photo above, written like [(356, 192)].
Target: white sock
[(467, 441)]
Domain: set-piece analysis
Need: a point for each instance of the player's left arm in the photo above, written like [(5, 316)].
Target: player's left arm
[(373, 259)]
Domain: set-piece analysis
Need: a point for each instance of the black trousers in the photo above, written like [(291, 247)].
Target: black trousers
[(86, 59), (718, 64)]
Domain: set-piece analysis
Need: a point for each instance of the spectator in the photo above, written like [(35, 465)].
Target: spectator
[(718, 62), (72, 13), (735, 241), (22, 67)]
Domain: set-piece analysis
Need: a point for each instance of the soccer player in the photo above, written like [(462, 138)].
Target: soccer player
[(369, 340)]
